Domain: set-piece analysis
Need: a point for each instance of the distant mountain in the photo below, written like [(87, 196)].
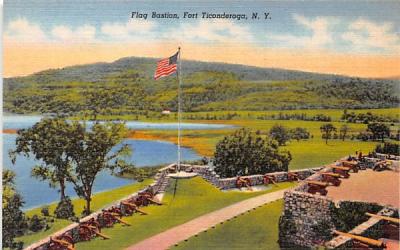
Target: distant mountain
[(126, 87)]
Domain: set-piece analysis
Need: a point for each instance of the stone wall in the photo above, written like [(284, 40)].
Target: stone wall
[(308, 219), (158, 186), (305, 220), (228, 183)]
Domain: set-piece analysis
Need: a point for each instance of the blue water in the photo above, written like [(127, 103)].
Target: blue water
[(20, 122), (36, 193), (145, 153)]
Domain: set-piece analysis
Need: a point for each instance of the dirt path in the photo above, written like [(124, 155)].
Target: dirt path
[(179, 233)]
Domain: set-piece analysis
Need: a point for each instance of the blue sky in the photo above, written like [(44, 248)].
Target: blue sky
[(342, 26)]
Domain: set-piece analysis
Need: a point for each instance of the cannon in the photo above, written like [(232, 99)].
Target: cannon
[(342, 171), (386, 218), (243, 181), (390, 227), (108, 219), (317, 187), (381, 165), (292, 176), (131, 208), (269, 179), (352, 165), (90, 229), (145, 198), (361, 241), (331, 178), (62, 242)]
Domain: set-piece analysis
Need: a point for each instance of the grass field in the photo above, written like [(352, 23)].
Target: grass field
[(335, 114), (193, 198), (306, 153), (255, 230), (99, 200)]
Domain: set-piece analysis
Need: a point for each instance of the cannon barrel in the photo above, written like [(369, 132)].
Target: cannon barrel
[(369, 241), (318, 183), (331, 174), (341, 168), (391, 219)]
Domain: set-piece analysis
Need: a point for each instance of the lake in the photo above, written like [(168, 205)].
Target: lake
[(20, 122), (145, 153), (36, 193)]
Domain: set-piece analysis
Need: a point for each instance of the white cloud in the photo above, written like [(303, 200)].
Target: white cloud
[(320, 34), (85, 33), (133, 29), (366, 35), (24, 31), (320, 30)]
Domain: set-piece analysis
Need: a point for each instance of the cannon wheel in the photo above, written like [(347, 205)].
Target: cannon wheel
[(108, 219), (85, 234)]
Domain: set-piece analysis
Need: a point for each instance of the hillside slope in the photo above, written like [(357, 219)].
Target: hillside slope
[(126, 87)]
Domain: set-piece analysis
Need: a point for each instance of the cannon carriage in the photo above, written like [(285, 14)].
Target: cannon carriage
[(268, 179), (291, 176), (361, 242), (90, 229), (129, 208), (243, 182), (352, 165), (381, 165), (317, 187), (390, 227), (62, 242), (342, 171), (331, 178)]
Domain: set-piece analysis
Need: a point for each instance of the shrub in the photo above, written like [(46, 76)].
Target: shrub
[(352, 213), (299, 133), (45, 211), (64, 209), (36, 223), (280, 134), (244, 153), (388, 148)]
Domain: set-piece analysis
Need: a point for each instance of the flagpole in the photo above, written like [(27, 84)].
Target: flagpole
[(179, 107)]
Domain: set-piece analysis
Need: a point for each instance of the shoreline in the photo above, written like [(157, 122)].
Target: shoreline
[(145, 135)]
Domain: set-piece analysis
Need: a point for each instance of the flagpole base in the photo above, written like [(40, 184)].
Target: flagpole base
[(182, 175)]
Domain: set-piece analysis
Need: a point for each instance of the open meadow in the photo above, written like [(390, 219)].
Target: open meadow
[(308, 153)]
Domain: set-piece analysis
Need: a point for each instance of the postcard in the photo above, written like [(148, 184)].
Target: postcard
[(188, 124)]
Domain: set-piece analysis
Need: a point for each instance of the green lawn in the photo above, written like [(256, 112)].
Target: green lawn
[(193, 198), (99, 200), (257, 229), (305, 153), (315, 153)]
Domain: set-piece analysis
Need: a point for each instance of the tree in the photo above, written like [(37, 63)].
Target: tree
[(280, 134), (326, 130), (13, 219), (343, 131), (379, 130), (47, 140), (93, 153), (299, 133), (244, 153)]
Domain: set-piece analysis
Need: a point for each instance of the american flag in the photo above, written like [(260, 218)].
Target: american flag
[(166, 66)]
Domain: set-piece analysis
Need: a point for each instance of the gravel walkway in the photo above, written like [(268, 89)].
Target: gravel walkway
[(179, 233)]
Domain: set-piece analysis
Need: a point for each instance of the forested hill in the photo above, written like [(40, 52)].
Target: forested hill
[(126, 87)]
